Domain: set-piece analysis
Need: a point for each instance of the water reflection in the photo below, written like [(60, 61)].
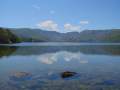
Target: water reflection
[(51, 58), (37, 50), (40, 67), (6, 50)]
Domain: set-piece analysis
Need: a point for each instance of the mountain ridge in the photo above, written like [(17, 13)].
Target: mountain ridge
[(91, 36)]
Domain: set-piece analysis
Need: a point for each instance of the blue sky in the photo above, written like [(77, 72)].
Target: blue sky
[(60, 15)]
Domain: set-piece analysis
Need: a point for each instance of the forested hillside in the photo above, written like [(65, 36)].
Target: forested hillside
[(7, 37)]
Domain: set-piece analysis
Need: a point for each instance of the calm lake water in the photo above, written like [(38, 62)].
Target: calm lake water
[(97, 66)]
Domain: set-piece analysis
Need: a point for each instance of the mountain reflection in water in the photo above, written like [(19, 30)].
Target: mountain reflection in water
[(97, 67), (36, 50)]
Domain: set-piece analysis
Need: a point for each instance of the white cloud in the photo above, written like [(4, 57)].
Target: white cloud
[(84, 22), (71, 27), (48, 25), (36, 7)]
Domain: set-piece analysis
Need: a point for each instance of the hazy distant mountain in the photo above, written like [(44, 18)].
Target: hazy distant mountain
[(38, 35), (100, 35), (84, 36)]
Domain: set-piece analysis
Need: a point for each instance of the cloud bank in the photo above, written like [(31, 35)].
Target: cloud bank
[(51, 25), (71, 27), (48, 25)]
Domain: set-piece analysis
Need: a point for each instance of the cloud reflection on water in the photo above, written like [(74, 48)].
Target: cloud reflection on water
[(51, 58)]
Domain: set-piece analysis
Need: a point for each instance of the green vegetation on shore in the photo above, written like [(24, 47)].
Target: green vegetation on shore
[(7, 37)]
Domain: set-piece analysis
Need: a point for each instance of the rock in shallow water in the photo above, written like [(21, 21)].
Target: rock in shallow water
[(21, 76), (67, 74)]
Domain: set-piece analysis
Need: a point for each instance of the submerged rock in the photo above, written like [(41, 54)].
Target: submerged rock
[(21, 76), (67, 74), (108, 82)]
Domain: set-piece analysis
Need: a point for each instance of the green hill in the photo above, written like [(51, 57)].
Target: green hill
[(7, 37)]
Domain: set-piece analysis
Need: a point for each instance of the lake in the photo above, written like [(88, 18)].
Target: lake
[(38, 66)]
